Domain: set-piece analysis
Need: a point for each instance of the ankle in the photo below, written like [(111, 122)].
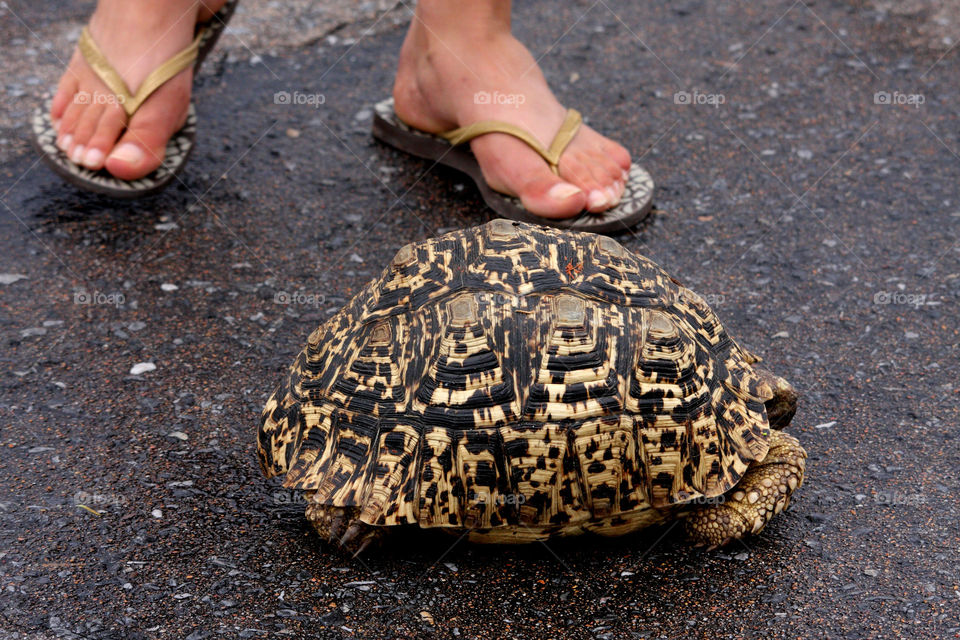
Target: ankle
[(150, 15), (450, 23)]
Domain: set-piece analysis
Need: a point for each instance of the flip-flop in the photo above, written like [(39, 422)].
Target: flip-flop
[(444, 149), (178, 147)]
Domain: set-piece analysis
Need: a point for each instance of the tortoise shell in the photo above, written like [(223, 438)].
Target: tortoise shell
[(510, 374)]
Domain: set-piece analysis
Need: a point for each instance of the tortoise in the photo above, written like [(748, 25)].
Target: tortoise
[(515, 383)]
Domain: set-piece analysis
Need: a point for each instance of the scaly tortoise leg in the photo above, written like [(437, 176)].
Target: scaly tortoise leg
[(341, 527), (763, 491)]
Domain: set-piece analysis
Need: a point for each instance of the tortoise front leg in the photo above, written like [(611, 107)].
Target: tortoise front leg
[(341, 527), (763, 491)]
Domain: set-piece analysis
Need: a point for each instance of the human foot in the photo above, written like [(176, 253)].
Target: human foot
[(92, 127), (455, 70)]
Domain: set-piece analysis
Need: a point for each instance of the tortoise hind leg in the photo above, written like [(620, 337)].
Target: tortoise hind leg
[(763, 492), (341, 527)]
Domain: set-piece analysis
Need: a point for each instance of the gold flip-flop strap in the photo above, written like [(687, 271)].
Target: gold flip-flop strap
[(128, 100), (566, 133)]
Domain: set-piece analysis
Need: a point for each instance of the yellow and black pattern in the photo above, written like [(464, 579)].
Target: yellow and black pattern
[(518, 382)]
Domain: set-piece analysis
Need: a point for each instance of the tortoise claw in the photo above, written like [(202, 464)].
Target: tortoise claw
[(363, 547), (335, 527), (352, 532)]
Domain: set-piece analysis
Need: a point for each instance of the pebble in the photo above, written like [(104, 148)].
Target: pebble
[(157, 513), (166, 226), (825, 425), (355, 258), (10, 278), (136, 325), (166, 286), (781, 334), (911, 335), (293, 133), (142, 367), (363, 114), (805, 154), (179, 435), (873, 573), (359, 583), (33, 331)]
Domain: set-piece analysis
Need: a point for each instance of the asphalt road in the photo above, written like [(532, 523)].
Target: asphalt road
[(819, 218)]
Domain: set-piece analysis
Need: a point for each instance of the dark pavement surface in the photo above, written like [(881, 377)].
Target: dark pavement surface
[(821, 226)]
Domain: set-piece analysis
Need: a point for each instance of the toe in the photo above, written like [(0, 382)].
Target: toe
[(83, 131), (615, 152), (607, 194), (551, 197), (609, 174), (68, 124), (111, 124), (67, 87), (143, 146), (610, 170), (510, 167), (574, 170)]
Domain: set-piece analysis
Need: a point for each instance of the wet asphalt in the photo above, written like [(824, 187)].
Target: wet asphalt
[(819, 218)]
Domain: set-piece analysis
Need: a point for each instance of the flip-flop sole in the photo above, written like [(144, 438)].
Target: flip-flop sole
[(177, 151), (634, 206)]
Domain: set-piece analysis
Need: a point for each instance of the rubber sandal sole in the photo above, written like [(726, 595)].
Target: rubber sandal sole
[(634, 206)]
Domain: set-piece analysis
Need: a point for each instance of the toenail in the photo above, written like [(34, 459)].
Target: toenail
[(77, 154), (597, 198), (93, 159), (56, 124), (563, 190), (65, 142), (614, 194), (625, 176), (127, 152)]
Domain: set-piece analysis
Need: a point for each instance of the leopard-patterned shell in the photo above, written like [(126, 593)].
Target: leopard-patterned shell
[(513, 375)]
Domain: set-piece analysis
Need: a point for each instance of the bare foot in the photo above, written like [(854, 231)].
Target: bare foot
[(92, 128), (456, 69)]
